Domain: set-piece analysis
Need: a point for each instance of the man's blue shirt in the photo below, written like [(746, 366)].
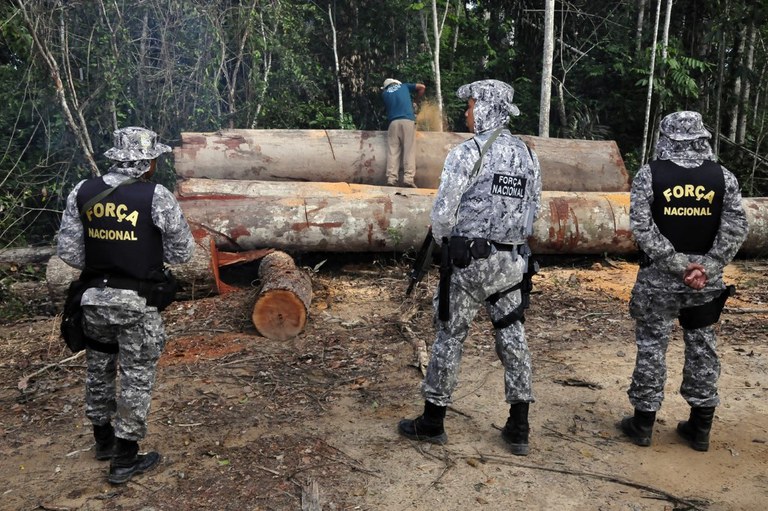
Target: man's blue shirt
[(397, 100)]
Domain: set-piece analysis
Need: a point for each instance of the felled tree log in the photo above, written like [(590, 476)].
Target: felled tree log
[(341, 217), (282, 305), (353, 156), (26, 255), (58, 276)]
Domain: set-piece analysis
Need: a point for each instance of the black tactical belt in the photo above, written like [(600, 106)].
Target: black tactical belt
[(506, 247)]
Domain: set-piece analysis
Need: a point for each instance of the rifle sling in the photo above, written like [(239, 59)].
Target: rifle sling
[(101, 195)]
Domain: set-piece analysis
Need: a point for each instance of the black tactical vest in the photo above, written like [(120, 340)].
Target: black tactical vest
[(120, 236), (687, 204)]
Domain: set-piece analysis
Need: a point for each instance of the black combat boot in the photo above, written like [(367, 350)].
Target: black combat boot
[(639, 428), (127, 461), (105, 441), (515, 432), (427, 427), (696, 429)]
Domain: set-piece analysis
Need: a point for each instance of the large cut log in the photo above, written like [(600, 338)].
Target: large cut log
[(282, 305), (26, 255), (342, 217), (58, 276), (360, 157)]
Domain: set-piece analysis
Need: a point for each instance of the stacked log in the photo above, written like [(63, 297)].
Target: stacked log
[(342, 217), (359, 157)]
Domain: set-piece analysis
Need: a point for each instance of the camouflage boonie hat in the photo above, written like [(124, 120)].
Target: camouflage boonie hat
[(682, 126), (495, 92), (132, 144)]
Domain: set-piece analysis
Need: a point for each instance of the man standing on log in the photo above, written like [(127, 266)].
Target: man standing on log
[(120, 229), (489, 196), (687, 216), (401, 134)]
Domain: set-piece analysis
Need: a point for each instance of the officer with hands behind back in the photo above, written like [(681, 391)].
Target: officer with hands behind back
[(120, 229), (489, 196), (687, 217)]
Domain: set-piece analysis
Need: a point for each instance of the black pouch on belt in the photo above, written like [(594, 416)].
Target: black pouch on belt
[(460, 251), (480, 248)]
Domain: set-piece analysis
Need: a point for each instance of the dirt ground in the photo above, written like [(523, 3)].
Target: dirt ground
[(245, 423)]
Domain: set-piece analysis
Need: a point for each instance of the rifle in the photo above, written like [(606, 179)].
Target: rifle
[(423, 261)]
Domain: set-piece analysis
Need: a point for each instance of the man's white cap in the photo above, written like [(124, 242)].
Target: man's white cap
[(390, 81)]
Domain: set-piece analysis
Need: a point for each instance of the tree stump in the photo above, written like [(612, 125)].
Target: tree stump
[(282, 305)]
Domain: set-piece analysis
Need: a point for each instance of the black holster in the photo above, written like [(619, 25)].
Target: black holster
[(163, 291), (707, 314), (446, 270), (525, 287), (464, 249), (72, 317)]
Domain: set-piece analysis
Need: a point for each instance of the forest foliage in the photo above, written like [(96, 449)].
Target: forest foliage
[(72, 71)]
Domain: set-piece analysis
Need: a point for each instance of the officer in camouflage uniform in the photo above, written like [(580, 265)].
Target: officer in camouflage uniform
[(121, 243), (687, 217), (484, 214)]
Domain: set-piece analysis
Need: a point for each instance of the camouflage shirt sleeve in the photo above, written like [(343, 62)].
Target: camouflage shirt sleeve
[(71, 242), (733, 229), (647, 235), (453, 181), (178, 243)]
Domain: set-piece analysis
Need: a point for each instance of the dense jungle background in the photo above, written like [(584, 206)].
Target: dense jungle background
[(71, 71)]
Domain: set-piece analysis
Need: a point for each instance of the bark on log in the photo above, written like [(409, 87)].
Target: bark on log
[(58, 276), (282, 305), (26, 255), (341, 217), (360, 157)]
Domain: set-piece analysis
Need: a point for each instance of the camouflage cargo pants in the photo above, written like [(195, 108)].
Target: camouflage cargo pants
[(141, 338), (655, 312), (470, 287)]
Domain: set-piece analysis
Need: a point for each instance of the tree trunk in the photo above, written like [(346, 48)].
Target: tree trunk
[(639, 28), (720, 85), (738, 63), (741, 130), (561, 106), (546, 67), (282, 305), (340, 97), (352, 156), (436, 57), (646, 150)]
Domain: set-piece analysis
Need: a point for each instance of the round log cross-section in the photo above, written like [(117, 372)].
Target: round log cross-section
[(281, 308)]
